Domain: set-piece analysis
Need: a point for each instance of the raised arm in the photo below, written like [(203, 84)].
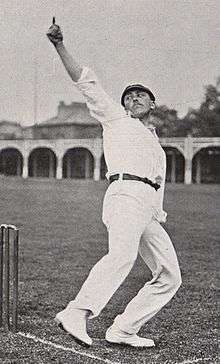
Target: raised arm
[(56, 37), (101, 106)]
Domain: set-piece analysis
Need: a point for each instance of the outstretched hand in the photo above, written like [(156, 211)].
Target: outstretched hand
[(54, 33)]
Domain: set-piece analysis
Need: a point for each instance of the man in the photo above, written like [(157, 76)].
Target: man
[(132, 210)]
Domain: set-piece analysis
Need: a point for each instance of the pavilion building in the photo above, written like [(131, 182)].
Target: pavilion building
[(69, 145)]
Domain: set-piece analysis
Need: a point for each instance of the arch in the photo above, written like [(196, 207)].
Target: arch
[(82, 145), (11, 162), (42, 162), (103, 167), (78, 163), (175, 165), (205, 146), (206, 165), (173, 146)]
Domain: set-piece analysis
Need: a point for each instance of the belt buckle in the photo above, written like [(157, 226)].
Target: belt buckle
[(120, 177)]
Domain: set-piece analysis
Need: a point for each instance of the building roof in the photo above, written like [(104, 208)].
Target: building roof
[(7, 122), (74, 113)]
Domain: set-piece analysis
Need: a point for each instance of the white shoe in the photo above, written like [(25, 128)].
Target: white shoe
[(74, 321), (116, 336)]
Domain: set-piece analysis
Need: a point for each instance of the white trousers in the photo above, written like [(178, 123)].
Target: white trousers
[(131, 230)]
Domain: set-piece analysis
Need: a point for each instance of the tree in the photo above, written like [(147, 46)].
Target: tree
[(205, 121), (165, 120), (201, 122)]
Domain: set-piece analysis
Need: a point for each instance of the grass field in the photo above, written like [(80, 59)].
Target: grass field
[(62, 236)]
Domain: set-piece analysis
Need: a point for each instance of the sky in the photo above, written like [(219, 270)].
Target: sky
[(171, 46)]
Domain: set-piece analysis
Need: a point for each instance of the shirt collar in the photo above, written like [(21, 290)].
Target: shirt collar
[(152, 129)]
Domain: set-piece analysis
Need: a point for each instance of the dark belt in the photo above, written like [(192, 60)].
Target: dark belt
[(126, 176)]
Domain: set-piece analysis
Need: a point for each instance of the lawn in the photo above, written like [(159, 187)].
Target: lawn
[(62, 236)]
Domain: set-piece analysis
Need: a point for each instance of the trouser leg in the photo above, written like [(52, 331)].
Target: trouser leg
[(159, 254), (125, 227)]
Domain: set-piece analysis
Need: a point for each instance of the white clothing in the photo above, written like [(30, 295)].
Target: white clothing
[(130, 233), (131, 211), (129, 146)]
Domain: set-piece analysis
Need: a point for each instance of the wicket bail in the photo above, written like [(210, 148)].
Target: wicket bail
[(9, 242)]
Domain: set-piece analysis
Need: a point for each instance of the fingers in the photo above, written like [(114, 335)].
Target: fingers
[(54, 30), (54, 33), (54, 27)]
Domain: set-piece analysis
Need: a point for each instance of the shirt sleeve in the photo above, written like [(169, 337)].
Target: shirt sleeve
[(100, 105)]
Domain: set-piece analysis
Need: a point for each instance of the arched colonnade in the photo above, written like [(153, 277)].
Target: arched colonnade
[(188, 160)]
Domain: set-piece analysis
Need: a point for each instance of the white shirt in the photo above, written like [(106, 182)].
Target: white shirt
[(129, 146)]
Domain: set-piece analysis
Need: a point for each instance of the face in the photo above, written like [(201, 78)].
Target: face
[(138, 103)]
